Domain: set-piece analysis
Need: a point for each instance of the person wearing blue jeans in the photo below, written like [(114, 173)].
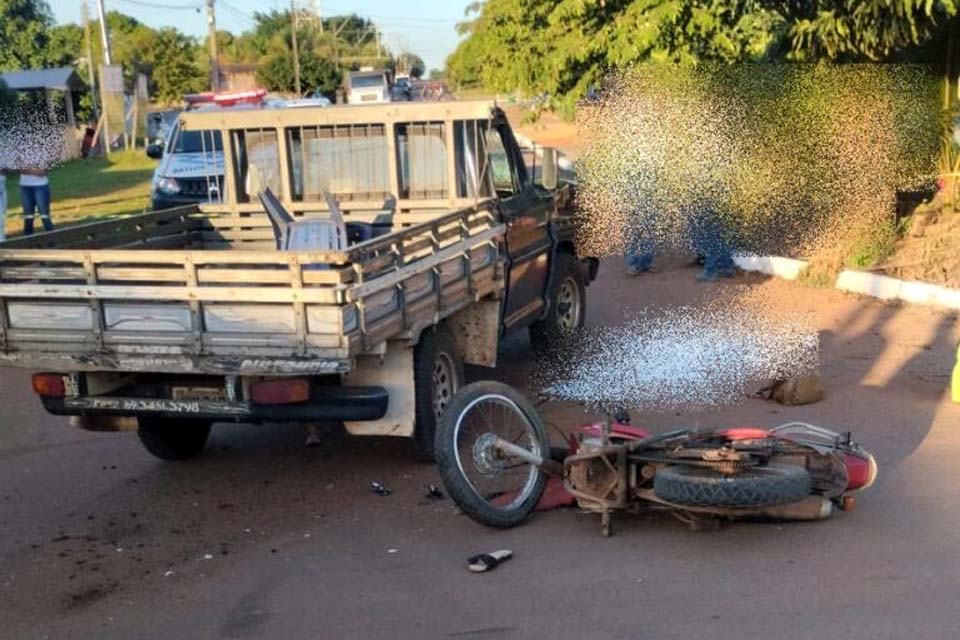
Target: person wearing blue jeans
[(35, 196), (640, 249), (710, 241), (639, 258)]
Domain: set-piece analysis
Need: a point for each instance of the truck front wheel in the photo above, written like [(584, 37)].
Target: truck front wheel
[(566, 304), (438, 374), (173, 439)]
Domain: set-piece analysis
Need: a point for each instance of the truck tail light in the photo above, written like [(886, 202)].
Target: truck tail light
[(49, 384), (291, 391)]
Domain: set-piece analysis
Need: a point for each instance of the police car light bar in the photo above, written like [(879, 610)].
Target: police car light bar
[(228, 99)]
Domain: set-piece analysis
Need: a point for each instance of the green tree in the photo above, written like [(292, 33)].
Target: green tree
[(65, 46), (412, 64), (562, 47), (174, 66), (24, 34), (275, 72), (864, 29), (175, 63)]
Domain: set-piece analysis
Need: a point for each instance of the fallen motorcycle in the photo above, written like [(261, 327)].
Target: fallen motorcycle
[(495, 457)]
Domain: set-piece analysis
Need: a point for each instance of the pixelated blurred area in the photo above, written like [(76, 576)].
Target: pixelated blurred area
[(796, 160)]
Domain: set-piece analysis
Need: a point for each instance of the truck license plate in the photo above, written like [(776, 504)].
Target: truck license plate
[(198, 393)]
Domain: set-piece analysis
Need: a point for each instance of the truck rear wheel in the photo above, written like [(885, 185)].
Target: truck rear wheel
[(173, 439), (567, 303), (438, 374)]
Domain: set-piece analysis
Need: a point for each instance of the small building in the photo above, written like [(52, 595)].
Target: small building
[(58, 84), (238, 76)]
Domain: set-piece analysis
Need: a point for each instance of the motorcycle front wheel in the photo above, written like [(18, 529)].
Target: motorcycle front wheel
[(488, 484)]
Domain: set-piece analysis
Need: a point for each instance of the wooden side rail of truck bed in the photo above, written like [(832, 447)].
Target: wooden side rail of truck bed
[(68, 303)]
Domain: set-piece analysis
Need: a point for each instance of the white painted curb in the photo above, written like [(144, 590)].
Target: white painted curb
[(861, 282), (887, 288), (786, 268)]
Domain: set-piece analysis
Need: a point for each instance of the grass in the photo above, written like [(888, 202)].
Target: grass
[(877, 246), (89, 189)]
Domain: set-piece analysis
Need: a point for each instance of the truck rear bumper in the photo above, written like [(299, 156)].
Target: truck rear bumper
[(333, 404)]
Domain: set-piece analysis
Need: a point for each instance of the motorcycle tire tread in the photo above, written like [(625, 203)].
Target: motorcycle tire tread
[(765, 486)]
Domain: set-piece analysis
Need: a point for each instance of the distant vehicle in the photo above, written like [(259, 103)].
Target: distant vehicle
[(190, 169), (402, 88), (367, 87), (191, 162), (318, 101)]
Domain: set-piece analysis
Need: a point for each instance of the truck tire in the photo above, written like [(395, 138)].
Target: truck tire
[(756, 487), (566, 303), (437, 375), (173, 439)]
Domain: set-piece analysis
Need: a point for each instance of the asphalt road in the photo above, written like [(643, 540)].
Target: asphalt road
[(263, 538)]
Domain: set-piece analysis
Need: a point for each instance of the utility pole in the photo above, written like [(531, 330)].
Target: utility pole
[(103, 33), (88, 44), (313, 13), (212, 37), (379, 54), (296, 53)]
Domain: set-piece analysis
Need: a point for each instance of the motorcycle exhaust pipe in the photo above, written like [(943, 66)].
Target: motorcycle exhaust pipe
[(810, 508)]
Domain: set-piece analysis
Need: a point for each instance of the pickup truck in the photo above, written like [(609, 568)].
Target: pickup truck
[(442, 243)]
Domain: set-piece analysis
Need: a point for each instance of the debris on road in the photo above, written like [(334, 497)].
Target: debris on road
[(488, 561), (433, 493), (379, 489)]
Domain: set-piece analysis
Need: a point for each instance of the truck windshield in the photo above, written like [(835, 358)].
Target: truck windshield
[(197, 141), (366, 82)]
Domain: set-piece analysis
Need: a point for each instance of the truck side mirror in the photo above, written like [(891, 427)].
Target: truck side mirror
[(548, 168), (155, 151)]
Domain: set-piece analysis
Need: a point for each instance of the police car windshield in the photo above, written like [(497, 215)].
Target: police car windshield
[(194, 142)]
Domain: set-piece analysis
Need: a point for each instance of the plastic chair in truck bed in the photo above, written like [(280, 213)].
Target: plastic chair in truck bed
[(305, 234), (312, 232)]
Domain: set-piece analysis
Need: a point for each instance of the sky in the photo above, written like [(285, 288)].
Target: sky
[(424, 27)]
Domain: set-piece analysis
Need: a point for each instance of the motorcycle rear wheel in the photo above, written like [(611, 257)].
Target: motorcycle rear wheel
[(764, 486), (491, 488)]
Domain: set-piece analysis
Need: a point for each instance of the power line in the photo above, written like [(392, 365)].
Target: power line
[(237, 13), (193, 6)]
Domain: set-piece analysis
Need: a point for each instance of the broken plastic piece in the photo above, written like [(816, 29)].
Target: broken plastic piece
[(379, 489)]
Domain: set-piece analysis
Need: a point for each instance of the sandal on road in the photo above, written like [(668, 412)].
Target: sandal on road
[(488, 561)]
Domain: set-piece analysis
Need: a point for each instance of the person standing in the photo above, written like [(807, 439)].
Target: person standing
[(711, 239), (639, 257), (35, 196), (641, 247)]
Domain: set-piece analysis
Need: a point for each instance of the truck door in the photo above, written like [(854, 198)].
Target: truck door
[(528, 238)]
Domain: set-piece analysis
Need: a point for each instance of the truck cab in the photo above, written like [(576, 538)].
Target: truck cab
[(367, 87)]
